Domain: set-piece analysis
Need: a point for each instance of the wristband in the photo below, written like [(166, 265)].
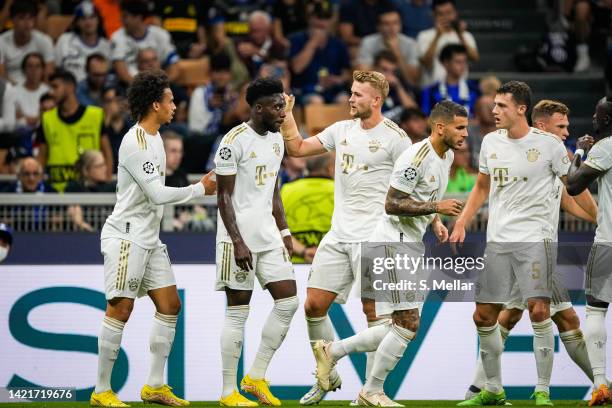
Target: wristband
[(579, 152), (285, 233)]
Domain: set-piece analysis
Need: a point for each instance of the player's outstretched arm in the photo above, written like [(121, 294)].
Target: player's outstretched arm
[(225, 189), (278, 211), (400, 203), (581, 175), (141, 168), (570, 205), (295, 144), (475, 201)]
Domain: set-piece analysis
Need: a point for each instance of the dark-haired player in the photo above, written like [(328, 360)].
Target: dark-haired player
[(253, 240), (136, 262), (598, 283), (519, 168)]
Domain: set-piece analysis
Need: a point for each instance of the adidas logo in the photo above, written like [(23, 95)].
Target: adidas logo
[(493, 156), (253, 155)]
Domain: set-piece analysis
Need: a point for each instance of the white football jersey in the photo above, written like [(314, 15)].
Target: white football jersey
[(423, 174), (141, 192), (600, 158), (255, 160), (125, 47), (71, 53), (364, 163), (12, 56), (523, 179)]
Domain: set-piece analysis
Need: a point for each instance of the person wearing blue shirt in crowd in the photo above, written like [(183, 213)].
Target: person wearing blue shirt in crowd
[(455, 87), (416, 16), (320, 62)]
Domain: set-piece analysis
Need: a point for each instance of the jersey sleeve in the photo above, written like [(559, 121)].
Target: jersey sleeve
[(405, 175), (599, 158), (228, 156), (560, 160), (140, 166), (327, 137), (483, 166)]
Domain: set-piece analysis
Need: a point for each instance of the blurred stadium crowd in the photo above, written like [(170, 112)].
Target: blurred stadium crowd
[(65, 66)]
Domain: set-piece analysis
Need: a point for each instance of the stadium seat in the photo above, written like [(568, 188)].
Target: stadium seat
[(317, 117), (57, 25), (193, 72)]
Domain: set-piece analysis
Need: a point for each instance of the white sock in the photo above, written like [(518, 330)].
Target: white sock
[(596, 337), (367, 340), (232, 336), (389, 352), (160, 344), (370, 355), (544, 351), (320, 328), (491, 347), (479, 377), (574, 343), (109, 343), (273, 333)]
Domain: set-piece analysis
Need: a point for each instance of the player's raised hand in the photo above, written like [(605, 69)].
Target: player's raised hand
[(585, 143), (289, 102), (450, 207), (210, 183), (243, 256)]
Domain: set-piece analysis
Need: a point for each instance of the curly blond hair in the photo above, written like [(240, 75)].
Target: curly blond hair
[(376, 79)]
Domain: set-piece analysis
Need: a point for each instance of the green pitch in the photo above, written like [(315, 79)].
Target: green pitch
[(420, 404)]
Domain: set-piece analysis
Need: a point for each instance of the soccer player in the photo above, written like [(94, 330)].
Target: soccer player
[(136, 262), (253, 239), (551, 116), (518, 169), (414, 200), (366, 148), (598, 285)]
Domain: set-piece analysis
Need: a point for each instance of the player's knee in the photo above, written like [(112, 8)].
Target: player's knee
[(408, 319), (315, 308), (539, 311), (566, 320), (510, 319), (484, 319), (120, 309)]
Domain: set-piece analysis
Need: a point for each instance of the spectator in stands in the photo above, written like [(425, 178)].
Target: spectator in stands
[(6, 240), (448, 29), (173, 145), (389, 37), (85, 38), (8, 138), (483, 124), (414, 122), (319, 61), (231, 16), (578, 14), (400, 95), (135, 35), (277, 69), (184, 20), (23, 39), (309, 204), (454, 86), (359, 18), (462, 175), (89, 90), (289, 17), (147, 60), (116, 120), (68, 130), (30, 178), (91, 169), (292, 168), (488, 85), (259, 46), (210, 104), (28, 94), (416, 16)]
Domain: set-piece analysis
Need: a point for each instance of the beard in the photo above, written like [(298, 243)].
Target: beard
[(363, 114)]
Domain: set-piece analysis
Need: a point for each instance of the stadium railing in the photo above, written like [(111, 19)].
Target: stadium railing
[(52, 213)]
